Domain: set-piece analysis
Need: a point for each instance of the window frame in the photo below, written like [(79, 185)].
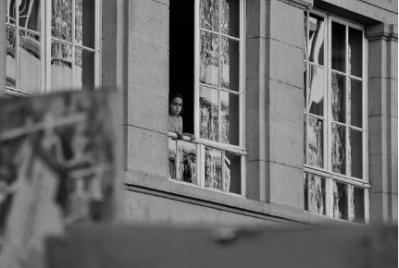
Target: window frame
[(326, 172), (45, 47), (202, 143)]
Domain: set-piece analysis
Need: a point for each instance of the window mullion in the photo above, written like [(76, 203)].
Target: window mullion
[(196, 68)]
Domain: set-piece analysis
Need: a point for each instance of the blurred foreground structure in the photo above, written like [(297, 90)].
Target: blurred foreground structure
[(138, 246), (290, 106)]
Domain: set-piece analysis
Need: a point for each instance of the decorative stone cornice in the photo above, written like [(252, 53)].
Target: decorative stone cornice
[(382, 31), (303, 4)]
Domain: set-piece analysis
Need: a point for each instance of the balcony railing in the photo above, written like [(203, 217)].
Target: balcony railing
[(203, 165)]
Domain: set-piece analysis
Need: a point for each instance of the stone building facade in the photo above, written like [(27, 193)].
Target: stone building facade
[(292, 103)]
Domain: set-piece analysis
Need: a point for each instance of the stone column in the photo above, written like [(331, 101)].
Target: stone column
[(147, 88), (274, 84), (383, 122)]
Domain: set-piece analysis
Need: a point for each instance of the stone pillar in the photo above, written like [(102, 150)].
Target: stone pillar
[(383, 122), (274, 84), (148, 87), (3, 44)]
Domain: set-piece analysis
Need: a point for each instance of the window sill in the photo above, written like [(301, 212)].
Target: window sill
[(137, 181)]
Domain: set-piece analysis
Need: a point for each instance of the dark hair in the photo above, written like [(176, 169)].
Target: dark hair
[(175, 95)]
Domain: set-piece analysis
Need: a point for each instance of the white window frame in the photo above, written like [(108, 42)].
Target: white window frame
[(202, 143), (45, 47), (326, 172)]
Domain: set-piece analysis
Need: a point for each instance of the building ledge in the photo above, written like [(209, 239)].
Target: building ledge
[(137, 181)]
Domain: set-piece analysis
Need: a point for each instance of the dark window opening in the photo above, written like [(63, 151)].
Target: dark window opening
[(181, 57)]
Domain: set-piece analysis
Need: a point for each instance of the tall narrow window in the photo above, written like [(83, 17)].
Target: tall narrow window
[(217, 93), (51, 45), (336, 182)]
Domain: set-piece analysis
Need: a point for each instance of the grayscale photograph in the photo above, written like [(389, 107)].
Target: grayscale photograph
[(198, 133)]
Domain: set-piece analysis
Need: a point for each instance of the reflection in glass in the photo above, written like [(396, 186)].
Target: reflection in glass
[(84, 69), (355, 52), (209, 66), (315, 98), (356, 100), (209, 14), (340, 200), (317, 194), (232, 173), (338, 153), (84, 22), (356, 205), (29, 14), (61, 66), (209, 125), (338, 108), (338, 46), (10, 56), (11, 15), (356, 153), (213, 169), (317, 28), (229, 118), (230, 15), (61, 19), (314, 141), (230, 63), (187, 165), (29, 62)]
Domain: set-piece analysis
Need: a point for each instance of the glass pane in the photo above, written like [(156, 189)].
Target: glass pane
[(340, 201), (85, 22), (314, 141), (338, 108), (356, 100), (338, 152), (355, 52), (338, 46), (61, 66), (30, 66), (187, 165), (172, 148), (84, 69), (356, 205), (356, 153), (315, 98), (11, 11), (209, 14), (229, 118), (209, 66), (317, 27), (213, 169), (209, 124), (317, 194), (232, 173), (230, 17), (29, 14), (230, 63), (61, 20), (10, 56)]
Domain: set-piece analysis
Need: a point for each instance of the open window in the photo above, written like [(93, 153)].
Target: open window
[(206, 67)]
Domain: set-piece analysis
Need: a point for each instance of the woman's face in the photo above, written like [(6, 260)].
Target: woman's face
[(176, 106)]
